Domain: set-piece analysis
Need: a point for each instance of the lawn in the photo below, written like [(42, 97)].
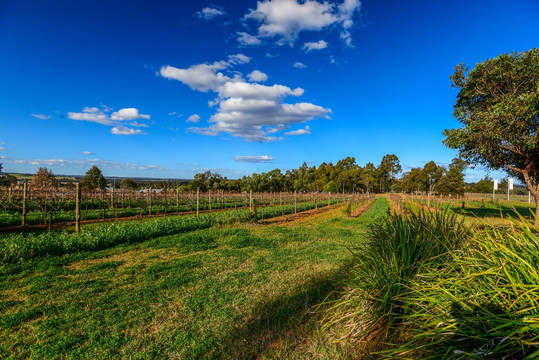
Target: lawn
[(228, 291)]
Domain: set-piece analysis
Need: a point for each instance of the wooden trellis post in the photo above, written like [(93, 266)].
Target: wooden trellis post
[(77, 208), (112, 198), (150, 201), (24, 196), (198, 199)]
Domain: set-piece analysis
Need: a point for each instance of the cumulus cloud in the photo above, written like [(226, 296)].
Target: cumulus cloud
[(286, 19), (2, 148), (209, 13), (92, 115), (204, 77), (254, 159), (257, 76), (246, 39), (193, 118), (305, 131), (299, 65), (319, 45), (96, 115), (41, 116), (122, 130), (245, 109), (88, 153), (238, 59), (128, 114)]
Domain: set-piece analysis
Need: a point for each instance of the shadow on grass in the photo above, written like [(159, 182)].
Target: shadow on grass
[(280, 320), (495, 212)]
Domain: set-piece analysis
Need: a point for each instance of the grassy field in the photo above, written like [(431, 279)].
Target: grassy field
[(478, 212), (227, 291)]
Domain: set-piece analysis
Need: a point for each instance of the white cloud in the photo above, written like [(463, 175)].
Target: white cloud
[(254, 159), (88, 153), (122, 130), (319, 45), (246, 39), (94, 114), (137, 124), (85, 163), (299, 65), (246, 90), (2, 157), (257, 76), (238, 59), (193, 118), (209, 13), (305, 131), (204, 77), (2, 148), (245, 109), (286, 19), (128, 114), (346, 13), (41, 116)]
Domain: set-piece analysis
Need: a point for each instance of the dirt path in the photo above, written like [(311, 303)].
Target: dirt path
[(361, 209), (299, 217)]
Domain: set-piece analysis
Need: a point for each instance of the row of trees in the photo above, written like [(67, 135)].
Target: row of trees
[(345, 176)]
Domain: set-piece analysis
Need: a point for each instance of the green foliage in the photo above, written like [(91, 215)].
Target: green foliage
[(497, 107), (129, 184), (15, 248), (453, 181), (93, 179), (485, 186), (331, 187), (482, 304)]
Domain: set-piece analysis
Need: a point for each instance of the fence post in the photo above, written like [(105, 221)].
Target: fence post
[(209, 199), (254, 210), (198, 199), (150, 201), (112, 198), (251, 200), (329, 198), (177, 199), (295, 202), (77, 208), (24, 196)]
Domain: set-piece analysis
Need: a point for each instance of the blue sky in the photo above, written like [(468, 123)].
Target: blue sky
[(168, 89)]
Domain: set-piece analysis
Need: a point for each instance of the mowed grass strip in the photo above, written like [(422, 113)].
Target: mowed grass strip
[(230, 291)]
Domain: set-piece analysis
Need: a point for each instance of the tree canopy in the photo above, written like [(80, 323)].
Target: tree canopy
[(93, 179), (44, 178), (498, 107)]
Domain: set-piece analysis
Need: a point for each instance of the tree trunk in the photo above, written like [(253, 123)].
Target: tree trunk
[(533, 187)]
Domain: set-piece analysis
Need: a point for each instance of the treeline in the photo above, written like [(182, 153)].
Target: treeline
[(346, 176)]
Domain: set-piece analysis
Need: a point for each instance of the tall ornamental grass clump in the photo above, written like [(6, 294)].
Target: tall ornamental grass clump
[(397, 251), (19, 247), (485, 305)]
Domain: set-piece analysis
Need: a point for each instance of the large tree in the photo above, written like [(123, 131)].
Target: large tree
[(93, 179), (44, 178), (498, 107)]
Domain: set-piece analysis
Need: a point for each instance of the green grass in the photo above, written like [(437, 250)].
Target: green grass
[(226, 291), (428, 287)]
